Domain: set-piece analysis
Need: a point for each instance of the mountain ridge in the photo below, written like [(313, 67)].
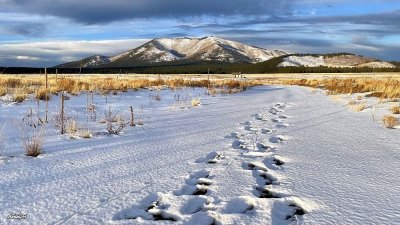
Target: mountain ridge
[(195, 50), (214, 50)]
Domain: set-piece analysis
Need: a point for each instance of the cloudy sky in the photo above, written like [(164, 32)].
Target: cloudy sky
[(48, 32)]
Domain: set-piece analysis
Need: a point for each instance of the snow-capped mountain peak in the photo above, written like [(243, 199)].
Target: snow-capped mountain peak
[(196, 49)]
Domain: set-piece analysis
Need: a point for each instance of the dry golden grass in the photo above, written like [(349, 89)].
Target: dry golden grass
[(390, 121), (19, 97), (74, 84), (395, 109), (86, 133), (379, 87), (42, 94), (358, 107), (3, 91), (352, 102)]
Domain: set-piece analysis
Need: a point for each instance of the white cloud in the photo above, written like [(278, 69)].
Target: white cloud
[(55, 52)]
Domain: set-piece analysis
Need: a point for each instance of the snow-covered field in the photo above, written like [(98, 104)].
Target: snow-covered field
[(269, 155)]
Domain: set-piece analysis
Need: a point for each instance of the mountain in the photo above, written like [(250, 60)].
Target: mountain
[(92, 61), (182, 51), (338, 60), (213, 51)]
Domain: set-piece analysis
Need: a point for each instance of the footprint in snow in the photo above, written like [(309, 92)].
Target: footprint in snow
[(149, 208), (249, 128), (280, 105), (278, 139), (274, 162), (233, 135), (211, 158), (283, 117), (246, 123), (266, 193), (196, 204), (276, 120), (267, 131), (237, 144), (254, 166), (204, 218), (282, 125), (196, 184), (263, 148), (286, 211), (275, 111), (240, 205), (263, 178)]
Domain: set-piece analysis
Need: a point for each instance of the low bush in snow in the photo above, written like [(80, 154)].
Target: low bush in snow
[(72, 126), (42, 94), (395, 109), (358, 107), (19, 97), (86, 133), (32, 136), (115, 122), (195, 102), (390, 121)]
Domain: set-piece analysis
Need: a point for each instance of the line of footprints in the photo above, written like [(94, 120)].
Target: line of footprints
[(193, 203)]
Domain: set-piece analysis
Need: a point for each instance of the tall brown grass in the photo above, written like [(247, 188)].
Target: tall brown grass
[(73, 84), (32, 135), (379, 87), (395, 109)]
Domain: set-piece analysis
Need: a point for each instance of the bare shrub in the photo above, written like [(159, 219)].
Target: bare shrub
[(395, 109), (115, 122), (390, 121), (32, 135)]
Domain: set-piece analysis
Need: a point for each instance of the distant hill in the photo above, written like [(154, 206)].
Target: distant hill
[(337, 60), (92, 61)]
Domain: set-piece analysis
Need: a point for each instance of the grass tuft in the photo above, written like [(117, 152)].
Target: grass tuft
[(390, 121), (395, 109)]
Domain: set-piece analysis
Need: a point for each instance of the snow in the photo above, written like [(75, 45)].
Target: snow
[(227, 161), (377, 65), (96, 60), (308, 61)]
